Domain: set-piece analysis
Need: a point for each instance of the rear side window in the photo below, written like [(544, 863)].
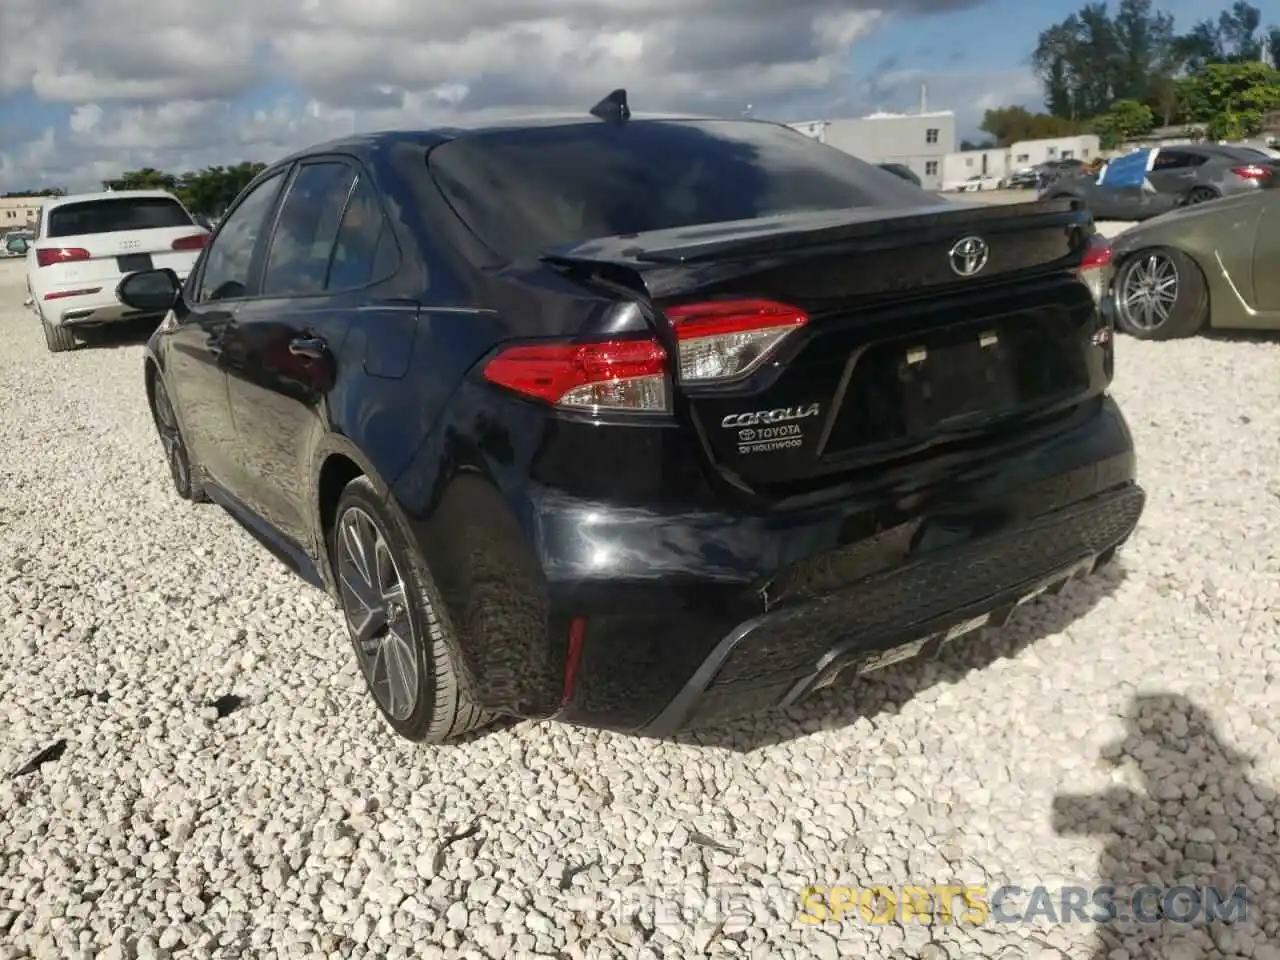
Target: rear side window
[(112, 216), (524, 190), (365, 250), (304, 236)]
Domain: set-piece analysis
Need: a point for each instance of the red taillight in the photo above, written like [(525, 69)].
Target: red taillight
[(194, 242), (1252, 172), (611, 375), (48, 256), (1096, 256), (726, 339), (573, 659)]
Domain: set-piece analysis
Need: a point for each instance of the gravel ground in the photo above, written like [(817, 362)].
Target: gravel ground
[(217, 784)]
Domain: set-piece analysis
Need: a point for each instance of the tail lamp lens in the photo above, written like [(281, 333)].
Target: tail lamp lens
[(195, 241), (48, 256), (1092, 271), (1253, 171), (610, 375), (727, 339)]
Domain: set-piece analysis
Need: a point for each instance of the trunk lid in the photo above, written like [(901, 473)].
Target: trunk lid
[(902, 352), (106, 238)]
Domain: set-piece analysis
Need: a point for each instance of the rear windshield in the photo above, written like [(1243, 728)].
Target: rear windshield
[(524, 190), (110, 216)]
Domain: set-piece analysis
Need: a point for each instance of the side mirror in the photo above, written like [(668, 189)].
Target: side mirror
[(154, 291), (202, 221)]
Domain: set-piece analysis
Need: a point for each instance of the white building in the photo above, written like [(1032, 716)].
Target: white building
[(1030, 153), (918, 141)]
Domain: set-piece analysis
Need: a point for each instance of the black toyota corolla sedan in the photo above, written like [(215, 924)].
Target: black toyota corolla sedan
[(641, 422)]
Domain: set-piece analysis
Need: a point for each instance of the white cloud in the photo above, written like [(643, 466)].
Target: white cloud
[(171, 83)]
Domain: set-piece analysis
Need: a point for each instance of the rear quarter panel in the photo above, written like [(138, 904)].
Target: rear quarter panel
[(1220, 237)]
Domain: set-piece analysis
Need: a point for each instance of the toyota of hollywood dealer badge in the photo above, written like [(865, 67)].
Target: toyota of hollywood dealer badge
[(769, 431)]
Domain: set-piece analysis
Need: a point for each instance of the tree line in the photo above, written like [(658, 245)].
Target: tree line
[(209, 191), (1118, 76), (1122, 75)]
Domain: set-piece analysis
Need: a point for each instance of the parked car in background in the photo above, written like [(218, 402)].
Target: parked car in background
[(901, 170), (980, 182), (86, 243), (16, 243), (640, 423), (1053, 170), (1179, 176), (1212, 264), (1028, 178)]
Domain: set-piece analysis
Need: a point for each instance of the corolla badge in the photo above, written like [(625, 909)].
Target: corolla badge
[(778, 415), (969, 256)]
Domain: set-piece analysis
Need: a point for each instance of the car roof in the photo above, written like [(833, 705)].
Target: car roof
[(378, 141), (55, 202)]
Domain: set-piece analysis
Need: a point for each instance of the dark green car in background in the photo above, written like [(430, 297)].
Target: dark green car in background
[(1214, 264)]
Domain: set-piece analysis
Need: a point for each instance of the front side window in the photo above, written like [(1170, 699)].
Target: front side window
[(229, 259)]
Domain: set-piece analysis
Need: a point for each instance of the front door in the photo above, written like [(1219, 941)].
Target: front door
[(292, 336), (1266, 254), (195, 350)]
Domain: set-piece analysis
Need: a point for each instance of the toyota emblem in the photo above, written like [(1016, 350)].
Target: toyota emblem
[(969, 256)]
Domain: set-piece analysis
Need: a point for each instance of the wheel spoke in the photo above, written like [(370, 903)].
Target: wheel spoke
[(353, 542), (1149, 292), (374, 600)]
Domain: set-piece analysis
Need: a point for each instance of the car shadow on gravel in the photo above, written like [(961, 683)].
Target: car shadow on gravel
[(1195, 820), (133, 333), (888, 690)]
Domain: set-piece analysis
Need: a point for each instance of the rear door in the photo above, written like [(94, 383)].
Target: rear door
[(291, 338), (1174, 174), (98, 241), (195, 351)]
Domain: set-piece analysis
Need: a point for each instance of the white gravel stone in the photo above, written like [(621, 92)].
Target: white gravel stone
[(296, 826)]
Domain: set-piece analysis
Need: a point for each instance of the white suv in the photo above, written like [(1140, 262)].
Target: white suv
[(86, 244)]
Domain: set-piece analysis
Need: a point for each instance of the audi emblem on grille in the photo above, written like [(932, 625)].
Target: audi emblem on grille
[(969, 256)]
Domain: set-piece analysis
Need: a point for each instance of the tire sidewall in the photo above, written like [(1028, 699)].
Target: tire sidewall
[(421, 597), (186, 491), (1185, 318)]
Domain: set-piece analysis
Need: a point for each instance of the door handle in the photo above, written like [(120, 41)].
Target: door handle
[(312, 347)]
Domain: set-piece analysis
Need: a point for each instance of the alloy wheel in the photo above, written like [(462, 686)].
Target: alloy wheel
[(1149, 292), (175, 452), (377, 610)]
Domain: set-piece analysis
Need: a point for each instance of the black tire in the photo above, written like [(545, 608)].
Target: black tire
[(1190, 307), (1199, 195), (442, 708), (57, 339), (182, 471)]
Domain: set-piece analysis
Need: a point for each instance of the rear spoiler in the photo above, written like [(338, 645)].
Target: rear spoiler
[(865, 229)]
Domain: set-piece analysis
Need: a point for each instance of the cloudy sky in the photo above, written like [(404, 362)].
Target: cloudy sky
[(92, 87)]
